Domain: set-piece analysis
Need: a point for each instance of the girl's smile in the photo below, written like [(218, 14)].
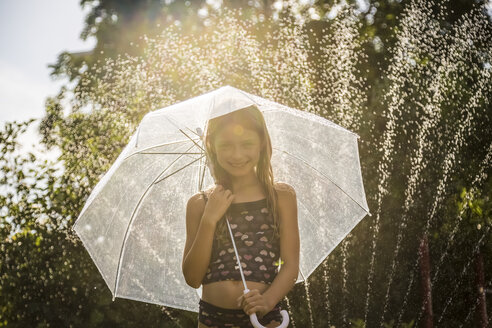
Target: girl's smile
[(238, 164), (238, 149)]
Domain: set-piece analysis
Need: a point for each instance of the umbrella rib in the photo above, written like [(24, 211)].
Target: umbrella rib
[(203, 168), (121, 199), (202, 173), (194, 132), (174, 153), (167, 176), (159, 145), (133, 216), (249, 97), (303, 277), (136, 139), (192, 140), (307, 164), (176, 125)]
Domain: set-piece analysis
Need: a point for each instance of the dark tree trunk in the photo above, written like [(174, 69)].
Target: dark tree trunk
[(426, 283), (480, 281)]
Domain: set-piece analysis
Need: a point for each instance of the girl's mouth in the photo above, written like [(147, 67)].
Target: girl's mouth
[(238, 165)]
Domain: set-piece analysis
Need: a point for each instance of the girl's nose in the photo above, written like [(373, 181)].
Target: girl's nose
[(237, 153)]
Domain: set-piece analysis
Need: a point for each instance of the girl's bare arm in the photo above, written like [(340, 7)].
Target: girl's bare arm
[(289, 245), (201, 220), (199, 239)]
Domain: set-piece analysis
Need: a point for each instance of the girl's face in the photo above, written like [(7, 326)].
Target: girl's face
[(238, 149)]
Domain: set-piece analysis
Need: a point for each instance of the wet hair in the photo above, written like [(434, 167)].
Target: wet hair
[(250, 118)]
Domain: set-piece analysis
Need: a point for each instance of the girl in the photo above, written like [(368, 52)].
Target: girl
[(262, 216)]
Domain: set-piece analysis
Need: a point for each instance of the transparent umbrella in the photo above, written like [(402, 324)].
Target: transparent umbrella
[(133, 223)]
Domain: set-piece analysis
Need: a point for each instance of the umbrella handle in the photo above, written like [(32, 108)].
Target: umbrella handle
[(257, 324)]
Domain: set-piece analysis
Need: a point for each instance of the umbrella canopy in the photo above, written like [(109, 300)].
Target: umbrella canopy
[(133, 223)]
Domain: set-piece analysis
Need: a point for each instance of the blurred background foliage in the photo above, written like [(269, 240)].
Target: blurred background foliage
[(150, 54)]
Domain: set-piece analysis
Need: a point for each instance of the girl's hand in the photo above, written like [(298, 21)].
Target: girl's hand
[(254, 302), (217, 204)]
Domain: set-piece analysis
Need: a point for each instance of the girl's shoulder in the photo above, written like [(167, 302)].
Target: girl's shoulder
[(285, 193), (196, 202), (284, 188), (287, 201)]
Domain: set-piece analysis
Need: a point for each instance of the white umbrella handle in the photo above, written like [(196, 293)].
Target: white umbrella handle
[(256, 324)]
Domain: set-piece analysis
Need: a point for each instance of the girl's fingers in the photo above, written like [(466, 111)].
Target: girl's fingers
[(253, 299), (254, 309), (252, 296), (248, 307), (252, 293)]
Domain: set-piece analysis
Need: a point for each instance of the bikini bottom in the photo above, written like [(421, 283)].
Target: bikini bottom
[(217, 317)]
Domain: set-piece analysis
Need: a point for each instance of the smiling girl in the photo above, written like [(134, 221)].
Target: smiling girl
[(263, 218)]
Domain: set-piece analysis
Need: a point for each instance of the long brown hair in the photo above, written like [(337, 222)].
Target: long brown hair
[(250, 118)]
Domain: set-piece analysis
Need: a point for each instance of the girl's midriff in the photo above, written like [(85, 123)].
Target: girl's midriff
[(225, 293)]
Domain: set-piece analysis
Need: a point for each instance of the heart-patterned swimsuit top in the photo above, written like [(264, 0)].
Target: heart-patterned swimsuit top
[(252, 226)]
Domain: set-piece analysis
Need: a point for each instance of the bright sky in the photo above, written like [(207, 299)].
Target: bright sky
[(32, 34)]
